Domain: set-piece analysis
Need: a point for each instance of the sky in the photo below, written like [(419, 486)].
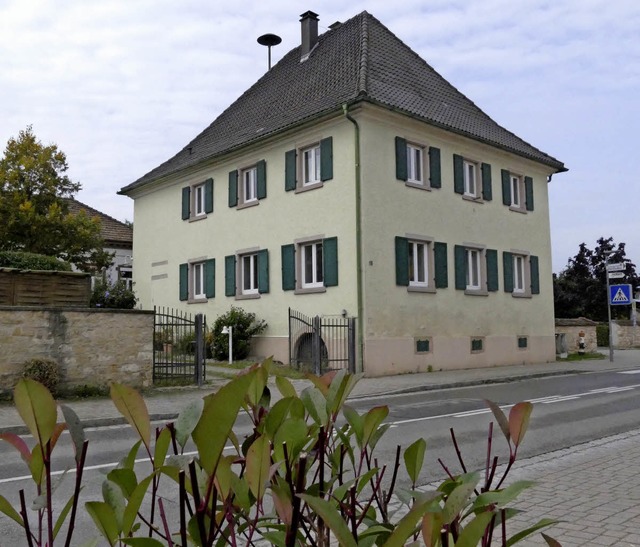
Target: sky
[(120, 86)]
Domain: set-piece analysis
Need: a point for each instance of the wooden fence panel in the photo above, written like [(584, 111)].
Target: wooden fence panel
[(43, 288)]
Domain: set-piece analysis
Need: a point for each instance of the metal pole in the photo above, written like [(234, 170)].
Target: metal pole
[(606, 273), (230, 345), (200, 355)]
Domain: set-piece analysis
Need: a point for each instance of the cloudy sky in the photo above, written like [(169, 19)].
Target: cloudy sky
[(122, 85)]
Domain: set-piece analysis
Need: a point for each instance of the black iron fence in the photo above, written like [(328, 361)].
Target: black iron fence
[(178, 346), (319, 344)]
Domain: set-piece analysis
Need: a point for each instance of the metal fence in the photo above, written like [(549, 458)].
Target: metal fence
[(319, 344), (178, 346)]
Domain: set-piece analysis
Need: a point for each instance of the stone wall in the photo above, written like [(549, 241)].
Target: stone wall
[(625, 335), (572, 328), (92, 346)]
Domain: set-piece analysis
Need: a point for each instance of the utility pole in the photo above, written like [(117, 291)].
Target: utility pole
[(606, 273)]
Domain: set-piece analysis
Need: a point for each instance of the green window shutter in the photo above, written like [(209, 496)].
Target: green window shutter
[(528, 192), (184, 281), (402, 172), (402, 261), (458, 174), (487, 194), (290, 170), (261, 176), (288, 267), (435, 171), (492, 269), (440, 266), (507, 268), (208, 196), (330, 261), (506, 187), (186, 202), (263, 271), (326, 159), (535, 275), (210, 278), (233, 188), (459, 256), (230, 275)]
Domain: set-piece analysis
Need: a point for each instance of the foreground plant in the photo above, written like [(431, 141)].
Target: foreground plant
[(305, 474)]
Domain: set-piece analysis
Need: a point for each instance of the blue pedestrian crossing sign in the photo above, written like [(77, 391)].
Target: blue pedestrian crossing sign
[(619, 295)]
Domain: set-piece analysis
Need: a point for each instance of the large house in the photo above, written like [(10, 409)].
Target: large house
[(352, 179)]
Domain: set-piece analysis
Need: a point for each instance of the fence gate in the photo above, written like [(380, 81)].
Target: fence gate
[(319, 344), (178, 346)]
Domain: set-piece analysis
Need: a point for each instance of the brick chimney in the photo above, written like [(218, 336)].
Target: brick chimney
[(309, 28)]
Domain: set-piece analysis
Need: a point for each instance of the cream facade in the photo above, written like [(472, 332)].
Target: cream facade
[(351, 195)]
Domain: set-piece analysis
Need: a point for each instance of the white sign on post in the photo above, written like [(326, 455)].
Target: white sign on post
[(616, 275), (620, 267)]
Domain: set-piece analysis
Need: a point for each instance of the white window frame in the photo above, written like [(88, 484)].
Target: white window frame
[(416, 164), (471, 187), (249, 285), (519, 273), (473, 270), (316, 262), (249, 184), (517, 191), (419, 263), (310, 165), (198, 192), (197, 280)]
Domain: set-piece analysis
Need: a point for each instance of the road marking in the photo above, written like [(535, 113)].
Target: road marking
[(91, 467), (637, 371)]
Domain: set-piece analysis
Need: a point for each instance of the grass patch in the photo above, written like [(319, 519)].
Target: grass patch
[(583, 357)]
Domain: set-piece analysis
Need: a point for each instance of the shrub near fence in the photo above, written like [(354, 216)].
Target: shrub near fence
[(44, 288)]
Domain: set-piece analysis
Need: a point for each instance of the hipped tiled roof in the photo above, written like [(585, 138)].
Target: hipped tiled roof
[(360, 60), (112, 231)]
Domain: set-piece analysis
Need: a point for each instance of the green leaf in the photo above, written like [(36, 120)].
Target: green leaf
[(129, 461), (258, 464), (414, 459), (135, 501), (125, 478), (293, 432), (341, 387), (36, 464), (187, 420), (365, 478), (7, 509), (74, 425), (372, 420), (132, 406), (218, 416), (277, 415), (258, 383), (459, 497), (431, 526), (550, 541), (19, 444), (542, 523), (316, 405), (161, 448), (356, 422), (285, 387), (322, 382), (500, 418), (104, 518), (502, 497), (37, 409), (281, 494), (331, 518), (407, 524), (241, 490), (112, 494), (519, 421), (93, 542), (474, 530)]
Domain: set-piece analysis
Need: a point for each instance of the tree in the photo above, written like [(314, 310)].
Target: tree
[(580, 289), (34, 194)]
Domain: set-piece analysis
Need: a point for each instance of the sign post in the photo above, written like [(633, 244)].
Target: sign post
[(607, 270)]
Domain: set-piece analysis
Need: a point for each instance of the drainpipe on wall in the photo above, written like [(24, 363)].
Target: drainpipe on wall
[(360, 363)]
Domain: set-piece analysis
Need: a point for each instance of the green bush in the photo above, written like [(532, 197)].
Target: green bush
[(244, 326), (45, 371), (602, 335), (32, 261), (115, 296)]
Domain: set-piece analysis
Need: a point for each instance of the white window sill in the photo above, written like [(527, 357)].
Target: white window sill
[(310, 290), (476, 292), (198, 300), (475, 199), (195, 218), (417, 185), (521, 294), (246, 204), (517, 209), (421, 288), (307, 187), (250, 296)]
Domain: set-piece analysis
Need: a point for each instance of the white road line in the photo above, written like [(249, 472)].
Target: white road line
[(637, 371)]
